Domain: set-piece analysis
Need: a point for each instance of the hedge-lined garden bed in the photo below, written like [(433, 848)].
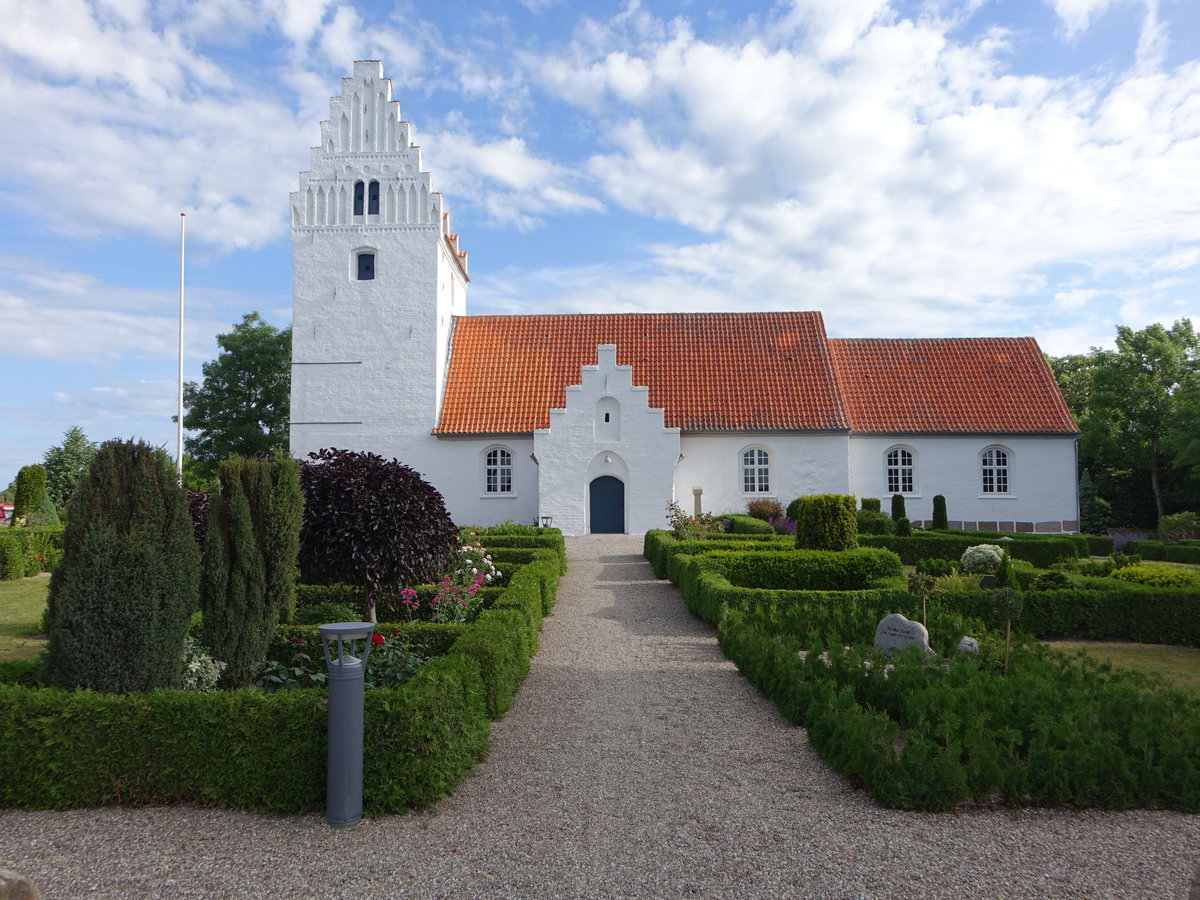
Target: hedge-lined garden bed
[(1034, 727), (266, 751)]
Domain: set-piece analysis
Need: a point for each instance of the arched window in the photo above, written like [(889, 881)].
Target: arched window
[(899, 471), (358, 197), (497, 471), (373, 198), (756, 471), (995, 471)]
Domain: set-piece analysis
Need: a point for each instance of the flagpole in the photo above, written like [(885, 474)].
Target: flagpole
[(179, 445)]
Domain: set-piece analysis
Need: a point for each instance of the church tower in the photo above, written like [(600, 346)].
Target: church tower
[(378, 280)]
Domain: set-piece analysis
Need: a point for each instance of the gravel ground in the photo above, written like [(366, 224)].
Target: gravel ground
[(635, 762)]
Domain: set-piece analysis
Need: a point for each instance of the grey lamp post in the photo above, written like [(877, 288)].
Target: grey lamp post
[(347, 664)]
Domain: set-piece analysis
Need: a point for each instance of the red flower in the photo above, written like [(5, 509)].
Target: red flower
[(395, 633), (377, 639)]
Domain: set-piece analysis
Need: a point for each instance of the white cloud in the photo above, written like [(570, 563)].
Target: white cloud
[(1077, 15)]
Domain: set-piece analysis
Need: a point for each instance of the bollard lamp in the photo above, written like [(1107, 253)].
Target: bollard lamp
[(347, 664)]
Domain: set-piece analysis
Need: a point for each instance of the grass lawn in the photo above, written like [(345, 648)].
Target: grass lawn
[(21, 606), (1180, 665)]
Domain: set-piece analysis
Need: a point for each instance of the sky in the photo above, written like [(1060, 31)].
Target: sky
[(910, 169)]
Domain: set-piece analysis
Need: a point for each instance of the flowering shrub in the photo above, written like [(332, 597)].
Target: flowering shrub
[(391, 663), (472, 560), (765, 509), (687, 527), (1179, 526), (1122, 536), (982, 559), (456, 602), (200, 671), (782, 525)]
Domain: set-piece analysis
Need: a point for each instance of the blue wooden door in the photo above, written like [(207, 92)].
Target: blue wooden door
[(607, 501)]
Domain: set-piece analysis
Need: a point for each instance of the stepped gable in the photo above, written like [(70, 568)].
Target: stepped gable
[(949, 385), (708, 371)]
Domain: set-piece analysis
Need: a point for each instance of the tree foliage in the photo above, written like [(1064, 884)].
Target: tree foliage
[(248, 582), (241, 408), (1137, 406), (372, 523), (66, 463), (30, 488), (121, 598)]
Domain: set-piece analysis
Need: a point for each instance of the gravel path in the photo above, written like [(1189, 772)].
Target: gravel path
[(635, 762)]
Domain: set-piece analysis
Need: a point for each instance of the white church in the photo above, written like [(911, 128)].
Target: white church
[(595, 423)]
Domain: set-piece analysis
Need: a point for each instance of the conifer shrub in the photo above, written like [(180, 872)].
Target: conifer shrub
[(121, 600), (898, 511), (940, 521), (248, 580), (826, 522), (873, 504), (903, 527), (30, 489)]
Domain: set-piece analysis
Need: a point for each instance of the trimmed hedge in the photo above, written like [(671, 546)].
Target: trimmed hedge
[(1164, 551), (62, 749), (747, 525), (826, 522), (266, 752), (1042, 551), (659, 546), (545, 539), (1098, 609)]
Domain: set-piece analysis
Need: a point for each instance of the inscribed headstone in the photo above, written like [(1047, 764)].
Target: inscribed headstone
[(895, 632)]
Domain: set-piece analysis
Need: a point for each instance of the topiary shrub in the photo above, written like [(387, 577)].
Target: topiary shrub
[(372, 523), (898, 511), (873, 504), (903, 527), (940, 521), (982, 559), (248, 582), (122, 597), (30, 489), (826, 522)]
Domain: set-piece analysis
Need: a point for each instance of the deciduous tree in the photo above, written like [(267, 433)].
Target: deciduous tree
[(241, 407)]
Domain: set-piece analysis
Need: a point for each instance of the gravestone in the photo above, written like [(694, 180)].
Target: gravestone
[(895, 632), (968, 645), (987, 582), (15, 886)]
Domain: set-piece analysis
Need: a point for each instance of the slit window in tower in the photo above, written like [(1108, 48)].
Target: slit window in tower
[(373, 199), (358, 198), (366, 266)]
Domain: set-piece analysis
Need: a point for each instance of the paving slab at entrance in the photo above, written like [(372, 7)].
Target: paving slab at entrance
[(635, 762)]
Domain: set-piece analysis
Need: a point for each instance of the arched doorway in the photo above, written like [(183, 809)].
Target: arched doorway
[(606, 502)]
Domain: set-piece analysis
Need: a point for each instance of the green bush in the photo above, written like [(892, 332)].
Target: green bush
[(936, 567), (898, 510), (903, 527), (870, 521), (747, 525), (1056, 730), (765, 508), (940, 520), (13, 555), (1099, 545), (872, 504), (1042, 551), (826, 522), (62, 749), (1159, 576), (121, 600), (498, 641), (248, 579), (44, 515), (660, 546), (30, 489), (1182, 553), (324, 614), (534, 539)]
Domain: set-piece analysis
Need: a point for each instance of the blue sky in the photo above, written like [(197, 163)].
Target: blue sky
[(911, 169)]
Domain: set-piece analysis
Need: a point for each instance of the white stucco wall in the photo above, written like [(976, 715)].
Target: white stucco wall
[(812, 463), (1042, 485), (579, 446)]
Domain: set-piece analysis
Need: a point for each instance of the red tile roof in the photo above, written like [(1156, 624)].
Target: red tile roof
[(963, 385), (708, 371)]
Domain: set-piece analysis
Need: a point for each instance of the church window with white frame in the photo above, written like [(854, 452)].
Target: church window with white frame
[(900, 470), (756, 471), (364, 265), (994, 469), (498, 471)]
